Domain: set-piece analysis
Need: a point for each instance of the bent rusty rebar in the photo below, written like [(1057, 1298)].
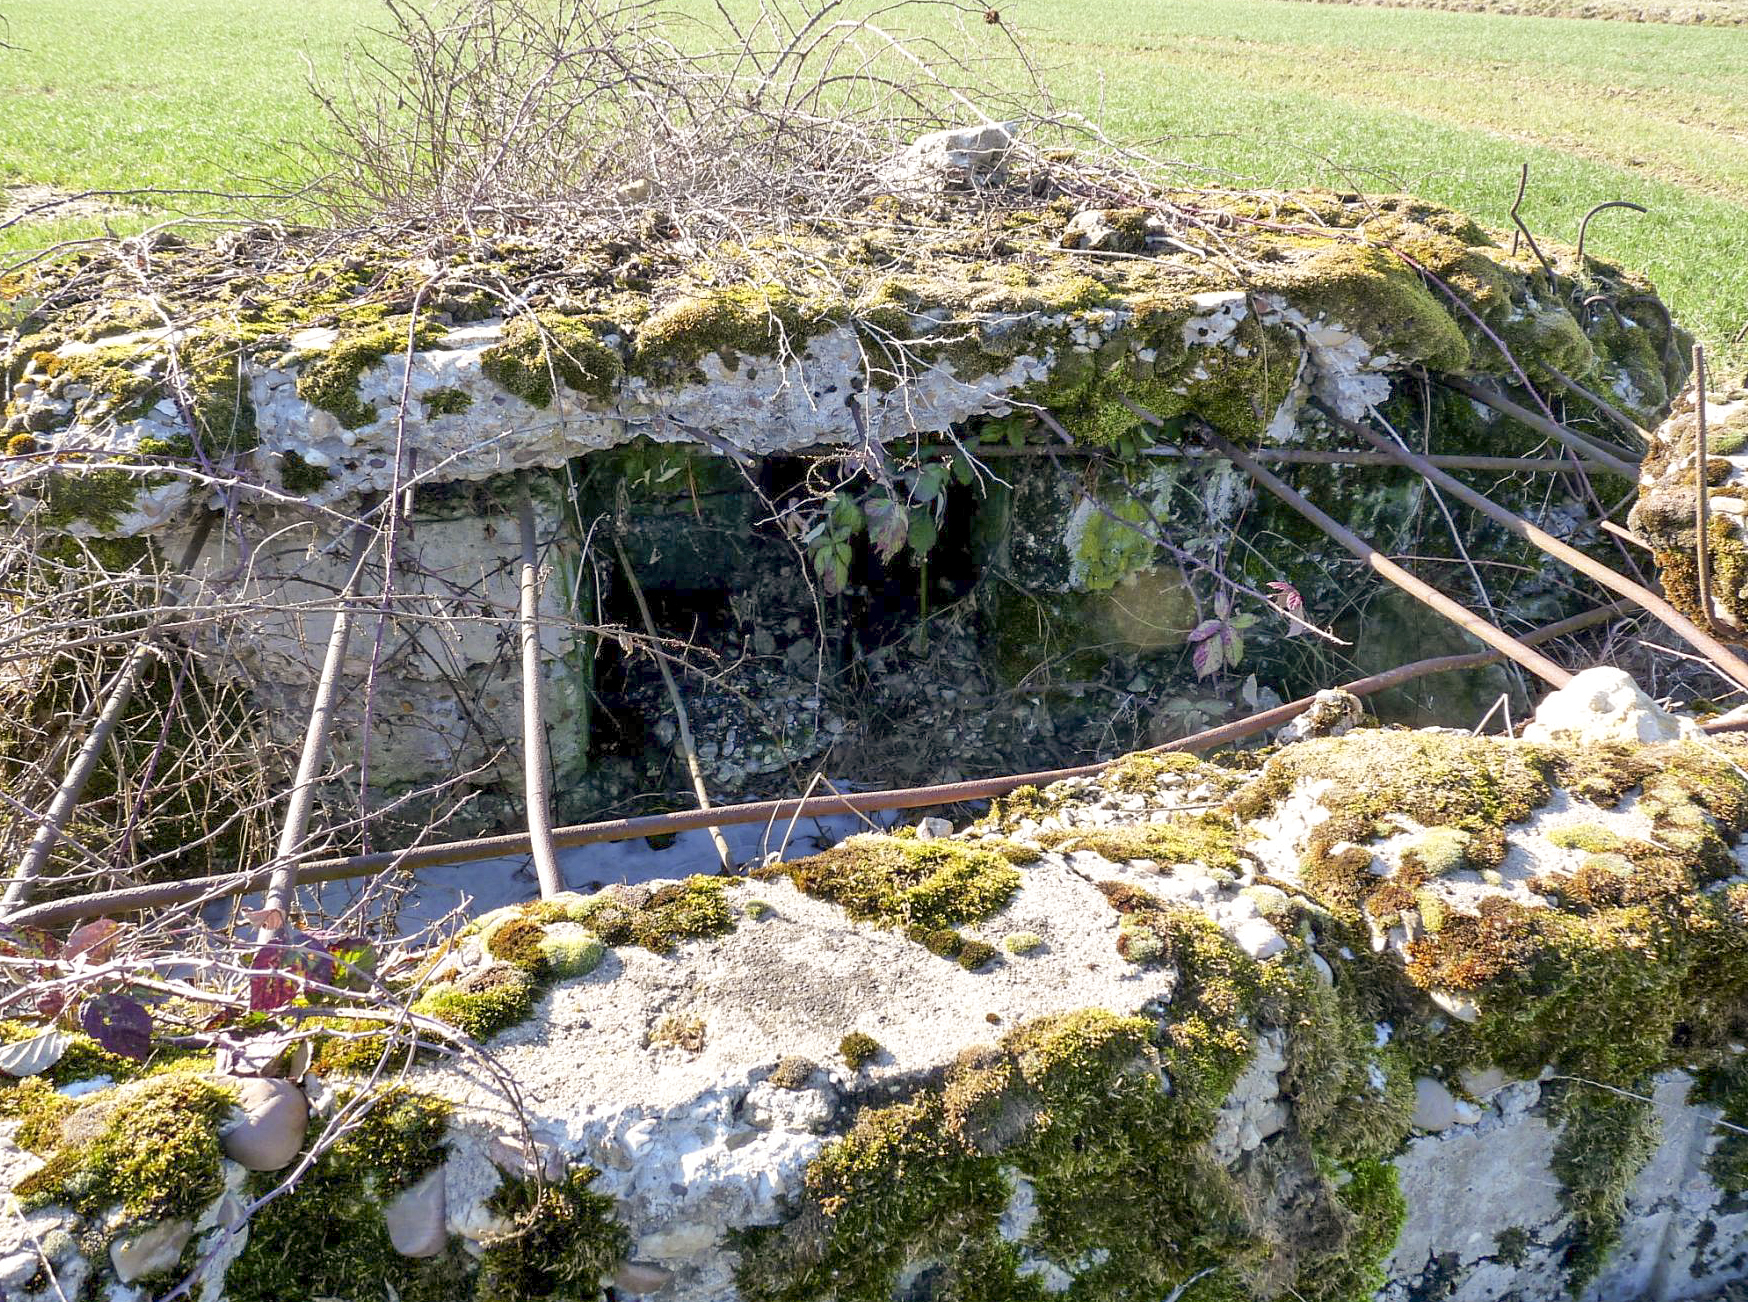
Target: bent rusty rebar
[(1617, 459), (1460, 615), (134, 898), (536, 775), (765, 811), (1724, 660)]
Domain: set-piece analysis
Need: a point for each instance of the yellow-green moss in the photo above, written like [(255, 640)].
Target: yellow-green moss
[(1022, 803), (1126, 1193), (1605, 1139), (540, 349), (39, 1109), (85, 1059), (150, 1147), (731, 321), (98, 498), (485, 1004), (351, 1047), (857, 1048), (1376, 295), (1210, 839), (1437, 851), (967, 951), (1022, 942), (1142, 772), (900, 881), (1114, 543), (568, 957), (659, 920), (1550, 338), (1473, 785), (330, 379), (1593, 838)]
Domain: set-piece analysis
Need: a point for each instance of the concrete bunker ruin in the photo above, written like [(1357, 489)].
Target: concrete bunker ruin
[(919, 498)]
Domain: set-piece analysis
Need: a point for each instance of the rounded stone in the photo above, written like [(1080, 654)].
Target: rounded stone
[(1482, 1081), (1434, 1106), (275, 1117), (150, 1251), (641, 1277), (417, 1217)]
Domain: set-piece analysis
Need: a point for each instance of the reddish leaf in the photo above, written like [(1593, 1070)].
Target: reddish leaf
[(50, 1002), (282, 970), (93, 941), (1288, 595), (888, 526), (27, 942), (121, 1025), (270, 988), (1206, 629), (1292, 604), (1209, 655)]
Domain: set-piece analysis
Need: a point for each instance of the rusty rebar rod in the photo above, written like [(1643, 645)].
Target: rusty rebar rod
[(1589, 460), (1466, 619), (281, 874), (1617, 459), (1584, 226), (536, 775), (1726, 661), (1701, 488), (1602, 404), (84, 763), (683, 724), (134, 898)]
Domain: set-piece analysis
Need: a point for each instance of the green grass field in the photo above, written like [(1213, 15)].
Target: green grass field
[(212, 94)]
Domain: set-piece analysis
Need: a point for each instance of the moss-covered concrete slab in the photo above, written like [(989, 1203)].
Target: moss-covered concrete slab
[(1381, 1014), (303, 373)]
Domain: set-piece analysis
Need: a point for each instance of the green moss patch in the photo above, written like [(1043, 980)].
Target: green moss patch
[(902, 881), (1590, 837), (658, 920), (330, 379), (858, 1048), (447, 402), (1107, 1118), (1142, 772), (485, 1003), (540, 350), (151, 1148), (1210, 839), (565, 1241), (1476, 786), (731, 321), (326, 1237)]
